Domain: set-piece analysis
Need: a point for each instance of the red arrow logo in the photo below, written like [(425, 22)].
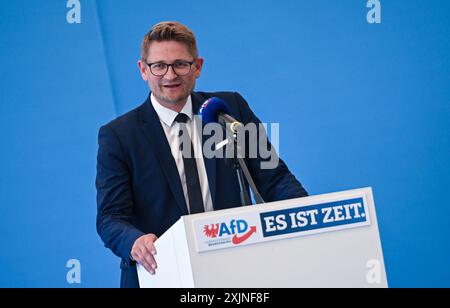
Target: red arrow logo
[(236, 240)]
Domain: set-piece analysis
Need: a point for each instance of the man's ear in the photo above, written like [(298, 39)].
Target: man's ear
[(143, 69), (198, 67)]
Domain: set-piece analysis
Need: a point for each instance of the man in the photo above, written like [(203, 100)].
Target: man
[(143, 185)]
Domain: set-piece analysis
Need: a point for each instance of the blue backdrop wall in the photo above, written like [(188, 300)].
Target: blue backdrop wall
[(358, 104)]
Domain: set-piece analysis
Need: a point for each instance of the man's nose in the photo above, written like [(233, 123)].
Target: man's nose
[(170, 73)]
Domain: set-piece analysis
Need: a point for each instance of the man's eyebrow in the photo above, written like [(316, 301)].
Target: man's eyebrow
[(176, 60)]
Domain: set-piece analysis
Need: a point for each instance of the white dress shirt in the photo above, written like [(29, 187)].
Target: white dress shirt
[(171, 128)]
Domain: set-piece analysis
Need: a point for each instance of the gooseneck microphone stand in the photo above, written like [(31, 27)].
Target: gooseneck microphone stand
[(242, 173)]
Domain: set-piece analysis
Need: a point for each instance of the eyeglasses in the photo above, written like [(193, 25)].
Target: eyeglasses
[(181, 68)]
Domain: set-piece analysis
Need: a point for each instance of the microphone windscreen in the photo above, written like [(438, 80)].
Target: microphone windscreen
[(210, 109)]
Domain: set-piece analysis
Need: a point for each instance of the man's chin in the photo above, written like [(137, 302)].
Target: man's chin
[(175, 100)]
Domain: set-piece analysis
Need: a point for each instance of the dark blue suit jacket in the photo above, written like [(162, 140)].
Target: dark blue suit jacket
[(138, 187)]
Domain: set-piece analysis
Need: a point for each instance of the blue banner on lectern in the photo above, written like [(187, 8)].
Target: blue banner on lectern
[(343, 214)]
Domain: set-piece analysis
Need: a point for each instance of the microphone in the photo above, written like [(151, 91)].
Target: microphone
[(215, 110)]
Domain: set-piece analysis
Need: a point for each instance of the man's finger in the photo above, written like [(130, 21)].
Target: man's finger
[(136, 256), (151, 247), (150, 260), (147, 267), (147, 257)]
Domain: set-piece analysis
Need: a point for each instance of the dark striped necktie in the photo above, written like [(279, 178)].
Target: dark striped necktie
[(190, 167)]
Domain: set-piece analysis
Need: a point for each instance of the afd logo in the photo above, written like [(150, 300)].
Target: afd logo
[(238, 230)]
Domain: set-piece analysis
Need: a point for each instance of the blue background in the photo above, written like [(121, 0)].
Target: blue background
[(358, 104)]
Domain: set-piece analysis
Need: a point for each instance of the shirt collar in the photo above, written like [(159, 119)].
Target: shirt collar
[(166, 115)]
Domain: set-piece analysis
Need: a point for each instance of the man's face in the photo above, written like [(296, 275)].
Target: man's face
[(170, 90)]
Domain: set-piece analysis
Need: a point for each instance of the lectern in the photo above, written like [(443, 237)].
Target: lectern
[(329, 240)]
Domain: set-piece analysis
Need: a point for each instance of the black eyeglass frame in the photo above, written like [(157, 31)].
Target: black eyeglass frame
[(170, 65)]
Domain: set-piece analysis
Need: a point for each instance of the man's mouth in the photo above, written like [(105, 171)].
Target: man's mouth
[(172, 86)]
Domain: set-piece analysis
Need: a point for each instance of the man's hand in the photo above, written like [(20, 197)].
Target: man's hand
[(143, 252)]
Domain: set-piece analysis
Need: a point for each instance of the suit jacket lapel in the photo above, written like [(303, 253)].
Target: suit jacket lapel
[(152, 129), (210, 163)]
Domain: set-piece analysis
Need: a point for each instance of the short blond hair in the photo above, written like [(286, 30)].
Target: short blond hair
[(169, 31)]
